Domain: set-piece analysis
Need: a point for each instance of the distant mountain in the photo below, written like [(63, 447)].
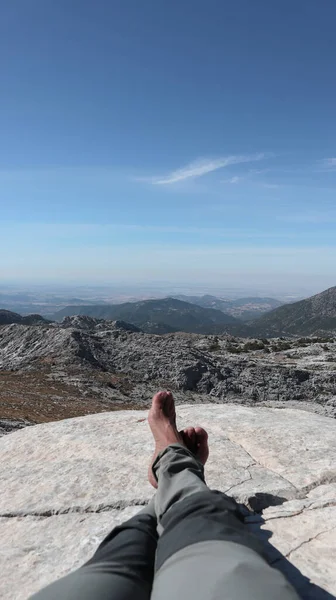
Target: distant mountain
[(45, 306), (158, 316), (206, 301), (7, 318), (245, 309), (267, 302), (306, 317)]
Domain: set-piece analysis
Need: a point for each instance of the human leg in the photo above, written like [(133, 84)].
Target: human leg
[(204, 551), (122, 568)]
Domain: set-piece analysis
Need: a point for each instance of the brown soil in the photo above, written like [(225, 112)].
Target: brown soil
[(35, 397)]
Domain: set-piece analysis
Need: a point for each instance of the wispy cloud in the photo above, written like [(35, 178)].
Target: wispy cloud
[(250, 176), (203, 167), (84, 232), (314, 217), (247, 178), (258, 171), (328, 164), (270, 186), (233, 180)]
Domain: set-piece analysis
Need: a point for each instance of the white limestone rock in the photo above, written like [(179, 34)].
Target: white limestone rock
[(64, 485), (37, 550)]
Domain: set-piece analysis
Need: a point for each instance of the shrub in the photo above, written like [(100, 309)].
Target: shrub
[(302, 343), (233, 349), (281, 347), (253, 345), (214, 345)]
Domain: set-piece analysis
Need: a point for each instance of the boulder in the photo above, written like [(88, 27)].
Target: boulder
[(64, 485)]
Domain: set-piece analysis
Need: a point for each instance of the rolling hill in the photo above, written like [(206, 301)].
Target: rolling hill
[(8, 317), (158, 316)]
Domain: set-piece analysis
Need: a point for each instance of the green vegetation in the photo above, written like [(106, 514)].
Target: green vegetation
[(250, 346), (233, 349), (281, 346), (214, 345), (253, 345)]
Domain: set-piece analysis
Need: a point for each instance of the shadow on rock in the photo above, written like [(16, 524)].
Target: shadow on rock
[(304, 587), (260, 501)]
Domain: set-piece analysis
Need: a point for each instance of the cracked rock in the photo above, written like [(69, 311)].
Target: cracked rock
[(66, 484)]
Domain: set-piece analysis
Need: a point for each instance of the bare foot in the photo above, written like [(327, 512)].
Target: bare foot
[(162, 421), (196, 440)]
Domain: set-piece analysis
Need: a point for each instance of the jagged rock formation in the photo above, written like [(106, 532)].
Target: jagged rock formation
[(86, 365), (65, 485), (9, 425)]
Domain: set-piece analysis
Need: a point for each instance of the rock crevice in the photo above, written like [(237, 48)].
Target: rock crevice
[(66, 484)]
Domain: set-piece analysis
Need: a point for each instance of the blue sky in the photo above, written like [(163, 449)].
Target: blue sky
[(182, 141)]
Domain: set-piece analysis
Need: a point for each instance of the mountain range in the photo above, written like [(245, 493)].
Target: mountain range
[(47, 303), (313, 315), (158, 316), (161, 316)]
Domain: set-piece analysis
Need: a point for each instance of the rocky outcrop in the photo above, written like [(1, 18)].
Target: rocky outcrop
[(7, 317), (115, 363), (9, 425), (66, 484)]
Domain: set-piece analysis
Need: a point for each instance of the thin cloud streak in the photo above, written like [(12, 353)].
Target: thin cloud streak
[(328, 164), (86, 231), (270, 186), (313, 217), (233, 180), (251, 176), (202, 167)]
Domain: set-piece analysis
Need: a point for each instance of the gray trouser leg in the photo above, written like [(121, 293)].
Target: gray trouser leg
[(121, 569), (205, 552)]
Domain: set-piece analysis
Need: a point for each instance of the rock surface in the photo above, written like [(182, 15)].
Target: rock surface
[(89, 365), (66, 484)]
